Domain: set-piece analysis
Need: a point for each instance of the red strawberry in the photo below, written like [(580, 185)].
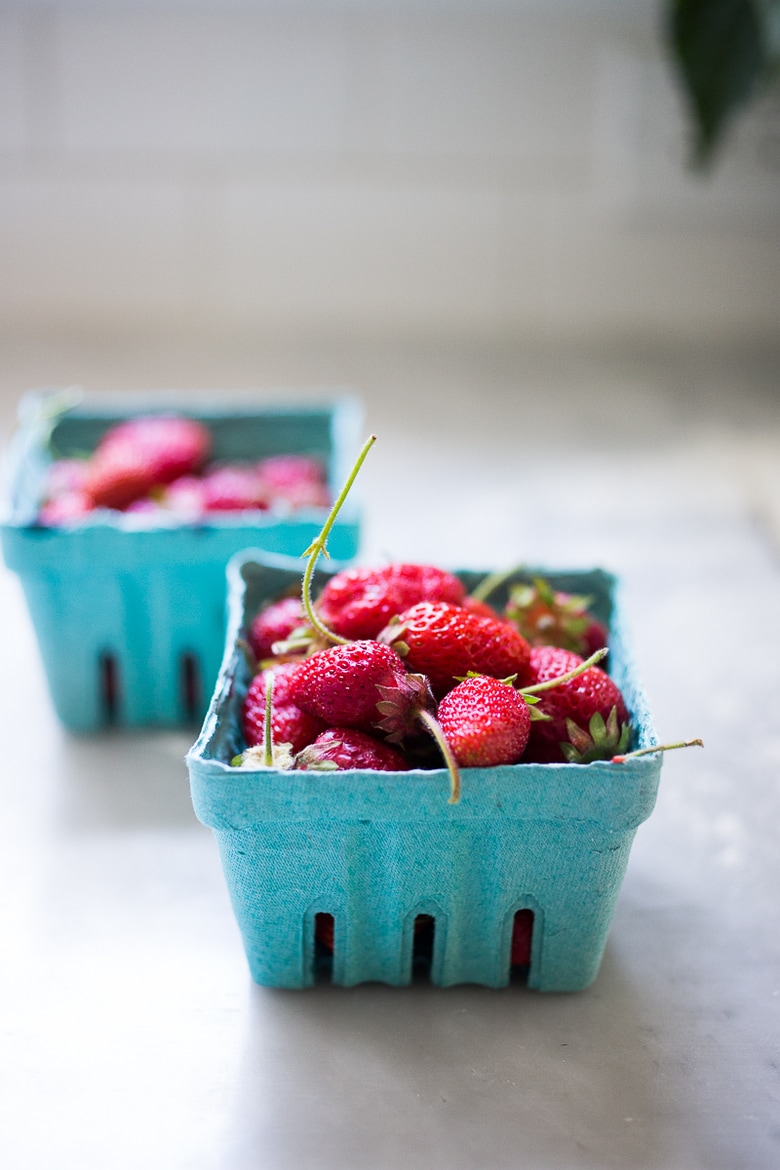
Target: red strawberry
[(345, 747), (65, 475), (486, 722), (358, 603), (143, 453), (592, 693), (184, 497), (296, 480), (283, 471), (445, 642), (548, 617), (481, 608), (67, 508), (275, 623), (289, 724), (344, 685), (232, 488), (180, 445)]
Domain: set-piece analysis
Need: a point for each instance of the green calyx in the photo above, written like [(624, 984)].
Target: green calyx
[(602, 741), (541, 614)]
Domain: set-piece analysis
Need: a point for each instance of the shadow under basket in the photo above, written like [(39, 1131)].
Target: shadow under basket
[(353, 876), (130, 616)]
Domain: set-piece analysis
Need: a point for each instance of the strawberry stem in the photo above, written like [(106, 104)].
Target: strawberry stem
[(493, 581), (317, 546), (432, 725), (562, 678), (268, 747), (657, 747)]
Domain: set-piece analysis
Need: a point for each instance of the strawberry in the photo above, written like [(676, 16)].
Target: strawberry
[(481, 608), (289, 724), (141, 454), (346, 747), (358, 603), (445, 641), (184, 497), (67, 508), (344, 685), (548, 617), (275, 623), (573, 705), (485, 721), (65, 475), (284, 471), (232, 488)]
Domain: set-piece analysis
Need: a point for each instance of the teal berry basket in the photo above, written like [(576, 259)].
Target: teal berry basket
[(402, 880), (130, 616)]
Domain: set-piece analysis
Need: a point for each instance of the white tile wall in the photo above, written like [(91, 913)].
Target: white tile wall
[(203, 84), (96, 251), (396, 253), (13, 83), (369, 165)]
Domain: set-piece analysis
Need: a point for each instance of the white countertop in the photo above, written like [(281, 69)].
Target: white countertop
[(131, 1033)]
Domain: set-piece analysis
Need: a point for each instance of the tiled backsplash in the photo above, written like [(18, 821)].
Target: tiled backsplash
[(373, 165)]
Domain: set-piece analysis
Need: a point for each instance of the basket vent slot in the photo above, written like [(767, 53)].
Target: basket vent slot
[(324, 933), (109, 684), (422, 947), (520, 954), (191, 686)]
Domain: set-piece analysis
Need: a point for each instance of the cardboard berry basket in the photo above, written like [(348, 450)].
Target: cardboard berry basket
[(130, 613), (378, 856)]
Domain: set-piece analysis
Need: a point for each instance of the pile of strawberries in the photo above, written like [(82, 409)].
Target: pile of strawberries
[(158, 466), (396, 667)]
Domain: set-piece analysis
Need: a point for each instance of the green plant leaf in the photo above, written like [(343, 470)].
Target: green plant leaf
[(725, 52)]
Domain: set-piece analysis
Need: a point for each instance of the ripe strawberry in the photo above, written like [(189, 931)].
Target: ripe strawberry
[(358, 603), (445, 641), (179, 445), (232, 488), (274, 623), (486, 722), (141, 454), (67, 508), (573, 703), (289, 724), (65, 475), (184, 497), (481, 608), (283, 471), (344, 685), (548, 617), (346, 747)]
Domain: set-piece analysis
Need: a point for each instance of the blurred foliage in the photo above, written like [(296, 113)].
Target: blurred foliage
[(726, 53)]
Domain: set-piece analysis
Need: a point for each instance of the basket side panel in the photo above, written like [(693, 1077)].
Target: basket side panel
[(375, 878)]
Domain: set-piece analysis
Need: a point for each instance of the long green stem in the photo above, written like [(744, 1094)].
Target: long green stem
[(562, 678), (452, 764), (657, 747), (493, 581), (317, 546), (268, 747)]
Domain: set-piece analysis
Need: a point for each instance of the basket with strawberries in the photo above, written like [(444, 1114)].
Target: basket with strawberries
[(405, 757), (123, 513)]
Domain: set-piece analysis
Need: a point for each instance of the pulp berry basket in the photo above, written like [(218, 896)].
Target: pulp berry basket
[(398, 875), (130, 615)]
